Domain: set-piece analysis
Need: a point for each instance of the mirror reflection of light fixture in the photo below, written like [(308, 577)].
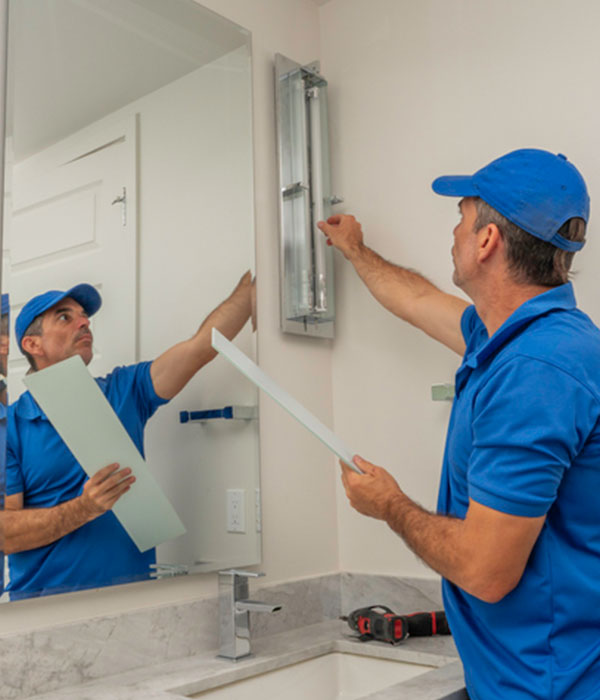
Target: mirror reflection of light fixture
[(306, 262)]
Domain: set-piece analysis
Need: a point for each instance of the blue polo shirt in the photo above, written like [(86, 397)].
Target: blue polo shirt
[(524, 439), (40, 466)]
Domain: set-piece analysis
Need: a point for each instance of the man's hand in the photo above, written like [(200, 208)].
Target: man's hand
[(371, 493), (243, 297), (242, 293), (344, 232), (104, 488)]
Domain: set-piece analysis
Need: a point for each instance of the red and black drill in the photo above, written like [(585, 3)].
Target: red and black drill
[(380, 623)]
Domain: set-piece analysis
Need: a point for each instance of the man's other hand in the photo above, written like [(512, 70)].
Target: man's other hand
[(104, 489), (243, 291), (371, 493), (344, 232)]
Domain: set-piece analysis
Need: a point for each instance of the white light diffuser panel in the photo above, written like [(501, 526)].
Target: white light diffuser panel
[(245, 365), (82, 416)]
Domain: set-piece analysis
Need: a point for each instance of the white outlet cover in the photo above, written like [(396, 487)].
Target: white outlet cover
[(236, 515)]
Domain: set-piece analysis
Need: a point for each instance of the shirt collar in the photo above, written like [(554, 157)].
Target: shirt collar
[(28, 408), (561, 297)]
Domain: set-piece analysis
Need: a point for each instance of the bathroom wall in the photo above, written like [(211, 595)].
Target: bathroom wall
[(420, 89), (298, 475)]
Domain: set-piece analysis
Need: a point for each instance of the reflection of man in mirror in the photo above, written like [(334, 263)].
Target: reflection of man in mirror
[(3, 364), (4, 316), (60, 533)]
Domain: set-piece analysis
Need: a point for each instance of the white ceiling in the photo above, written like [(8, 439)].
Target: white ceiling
[(72, 62)]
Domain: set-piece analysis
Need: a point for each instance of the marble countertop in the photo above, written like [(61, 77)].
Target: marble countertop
[(174, 680)]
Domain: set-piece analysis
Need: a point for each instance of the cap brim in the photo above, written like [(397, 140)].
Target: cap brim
[(87, 296), (455, 186)]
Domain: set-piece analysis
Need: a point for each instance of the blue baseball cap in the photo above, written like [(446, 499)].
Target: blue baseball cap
[(83, 294), (536, 190)]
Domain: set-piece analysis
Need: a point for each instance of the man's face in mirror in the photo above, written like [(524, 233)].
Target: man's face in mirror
[(65, 332)]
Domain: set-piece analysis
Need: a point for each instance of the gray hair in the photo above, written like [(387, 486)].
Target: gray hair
[(530, 259), (34, 328)]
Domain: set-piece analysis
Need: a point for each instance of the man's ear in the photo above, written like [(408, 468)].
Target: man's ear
[(31, 344), (490, 241)]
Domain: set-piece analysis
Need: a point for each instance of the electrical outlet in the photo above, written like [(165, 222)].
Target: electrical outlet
[(236, 515)]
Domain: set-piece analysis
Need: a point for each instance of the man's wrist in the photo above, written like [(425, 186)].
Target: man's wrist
[(84, 509), (355, 252), (394, 508)]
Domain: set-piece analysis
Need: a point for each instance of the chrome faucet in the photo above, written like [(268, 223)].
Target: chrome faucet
[(234, 613)]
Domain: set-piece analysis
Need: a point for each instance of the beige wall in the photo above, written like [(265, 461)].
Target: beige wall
[(420, 89)]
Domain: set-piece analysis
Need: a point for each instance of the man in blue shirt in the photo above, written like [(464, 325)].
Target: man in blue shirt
[(516, 536), (60, 532)]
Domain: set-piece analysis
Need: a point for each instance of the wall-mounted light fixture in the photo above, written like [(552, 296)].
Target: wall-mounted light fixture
[(306, 262)]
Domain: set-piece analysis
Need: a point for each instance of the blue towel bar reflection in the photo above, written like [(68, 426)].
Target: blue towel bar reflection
[(229, 413)]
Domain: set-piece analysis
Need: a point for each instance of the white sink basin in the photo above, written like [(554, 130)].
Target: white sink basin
[(334, 676)]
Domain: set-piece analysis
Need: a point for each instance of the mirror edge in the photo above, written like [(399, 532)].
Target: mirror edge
[(3, 88)]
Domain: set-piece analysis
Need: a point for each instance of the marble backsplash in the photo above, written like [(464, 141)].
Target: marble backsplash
[(59, 656), (402, 595)]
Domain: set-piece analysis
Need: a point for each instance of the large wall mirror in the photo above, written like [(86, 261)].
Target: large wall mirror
[(129, 167)]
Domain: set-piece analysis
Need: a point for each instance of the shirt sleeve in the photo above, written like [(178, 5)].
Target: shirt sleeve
[(134, 383), (473, 330), (468, 322), (145, 388), (530, 421)]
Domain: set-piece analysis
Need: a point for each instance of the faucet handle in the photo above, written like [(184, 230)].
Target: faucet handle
[(238, 572)]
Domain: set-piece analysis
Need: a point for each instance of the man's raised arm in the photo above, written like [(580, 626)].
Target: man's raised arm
[(172, 370), (404, 292)]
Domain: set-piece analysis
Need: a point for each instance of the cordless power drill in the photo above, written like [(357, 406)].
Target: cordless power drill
[(380, 623)]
